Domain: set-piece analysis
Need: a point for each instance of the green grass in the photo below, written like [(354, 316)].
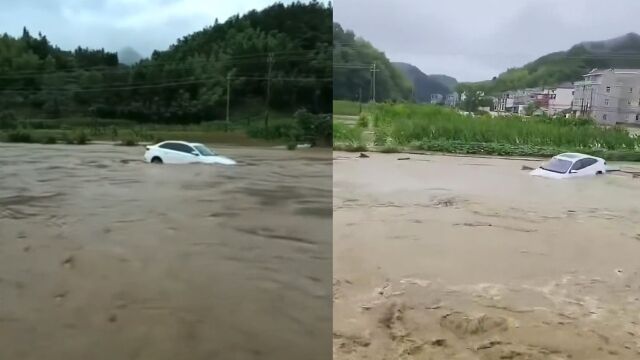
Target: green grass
[(154, 136), (405, 127), (83, 130), (405, 124), (348, 138), (351, 108), (458, 147)]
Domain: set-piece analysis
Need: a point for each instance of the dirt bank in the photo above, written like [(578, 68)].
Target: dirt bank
[(441, 257), (104, 257)]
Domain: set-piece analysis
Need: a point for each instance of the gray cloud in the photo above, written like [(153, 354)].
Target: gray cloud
[(145, 25), (478, 39)]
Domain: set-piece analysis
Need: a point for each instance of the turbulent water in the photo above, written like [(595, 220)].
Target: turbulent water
[(441, 257), (105, 257)]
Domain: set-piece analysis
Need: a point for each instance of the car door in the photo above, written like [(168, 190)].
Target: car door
[(169, 153), (184, 154), (584, 167)]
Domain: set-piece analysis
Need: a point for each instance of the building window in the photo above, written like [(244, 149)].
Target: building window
[(608, 89), (604, 117), (630, 90), (628, 102), (637, 117), (606, 101)]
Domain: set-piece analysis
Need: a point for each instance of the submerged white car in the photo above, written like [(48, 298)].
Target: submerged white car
[(181, 152), (570, 165)]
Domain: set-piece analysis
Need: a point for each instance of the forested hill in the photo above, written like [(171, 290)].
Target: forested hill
[(353, 58), (570, 65), (186, 82), (423, 85)]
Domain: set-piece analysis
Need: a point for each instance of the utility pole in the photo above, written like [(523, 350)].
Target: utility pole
[(228, 100), (270, 61), (373, 81)]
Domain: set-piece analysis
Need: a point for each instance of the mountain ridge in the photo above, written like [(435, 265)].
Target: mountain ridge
[(423, 84), (569, 65)]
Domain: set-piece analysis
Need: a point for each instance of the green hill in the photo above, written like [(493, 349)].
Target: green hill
[(570, 65), (424, 85), (352, 59), (185, 83), (450, 82)]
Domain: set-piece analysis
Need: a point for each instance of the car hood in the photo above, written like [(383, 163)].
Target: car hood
[(222, 160), (548, 174)]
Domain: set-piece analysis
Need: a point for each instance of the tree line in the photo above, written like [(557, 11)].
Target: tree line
[(289, 46)]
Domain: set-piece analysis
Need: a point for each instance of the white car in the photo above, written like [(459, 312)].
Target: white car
[(570, 165), (181, 152)]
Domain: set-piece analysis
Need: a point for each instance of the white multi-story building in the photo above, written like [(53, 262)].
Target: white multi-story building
[(609, 96), (559, 98)]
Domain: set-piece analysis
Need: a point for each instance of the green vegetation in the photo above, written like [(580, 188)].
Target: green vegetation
[(350, 108), (348, 138), (50, 140), (184, 85), (352, 58), (19, 137), (433, 128)]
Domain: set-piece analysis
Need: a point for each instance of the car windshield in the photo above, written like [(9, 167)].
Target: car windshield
[(204, 151), (557, 165)]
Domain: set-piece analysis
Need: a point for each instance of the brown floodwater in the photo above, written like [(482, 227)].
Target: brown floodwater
[(105, 257), (442, 257)]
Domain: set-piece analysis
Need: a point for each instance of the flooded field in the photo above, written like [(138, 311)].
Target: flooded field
[(439, 257), (105, 257)]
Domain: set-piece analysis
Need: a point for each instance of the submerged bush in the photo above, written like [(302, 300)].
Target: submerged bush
[(50, 140), (80, 138), (19, 137), (129, 142)]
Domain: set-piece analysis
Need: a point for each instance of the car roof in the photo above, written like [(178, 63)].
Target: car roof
[(179, 142), (575, 156)]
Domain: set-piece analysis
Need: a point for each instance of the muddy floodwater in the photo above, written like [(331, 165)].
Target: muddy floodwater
[(439, 257), (105, 257)]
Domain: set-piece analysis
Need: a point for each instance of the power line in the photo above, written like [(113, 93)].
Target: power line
[(165, 85), (187, 66), (152, 63), (130, 83)]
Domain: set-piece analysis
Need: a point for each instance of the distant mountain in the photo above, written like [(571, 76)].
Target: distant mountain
[(446, 80), (424, 85), (570, 65), (128, 56), (353, 57), (626, 43)]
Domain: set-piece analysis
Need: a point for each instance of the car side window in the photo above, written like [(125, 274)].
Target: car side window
[(578, 165), (588, 162), (184, 148), (169, 146), (583, 163), (177, 147)]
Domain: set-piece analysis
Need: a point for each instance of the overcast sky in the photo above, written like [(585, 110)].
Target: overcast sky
[(144, 25), (477, 39)]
